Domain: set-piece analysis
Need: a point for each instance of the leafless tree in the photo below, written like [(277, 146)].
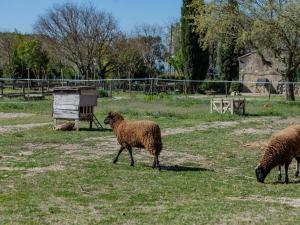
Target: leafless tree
[(6, 47), (83, 34), (149, 39)]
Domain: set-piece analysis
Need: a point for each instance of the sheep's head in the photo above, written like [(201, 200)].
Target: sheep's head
[(261, 173), (112, 118)]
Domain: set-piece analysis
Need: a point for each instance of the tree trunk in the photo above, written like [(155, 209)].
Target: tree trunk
[(289, 90)]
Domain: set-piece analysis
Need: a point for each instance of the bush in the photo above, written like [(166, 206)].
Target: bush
[(156, 97), (212, 86), (102, 93), (235, 87)]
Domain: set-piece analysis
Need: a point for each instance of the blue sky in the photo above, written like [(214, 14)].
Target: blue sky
[(22, 14)]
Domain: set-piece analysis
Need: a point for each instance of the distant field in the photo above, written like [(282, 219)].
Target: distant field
[(208, 161)]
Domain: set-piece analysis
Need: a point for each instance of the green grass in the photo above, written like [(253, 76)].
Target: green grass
[(51, 177)]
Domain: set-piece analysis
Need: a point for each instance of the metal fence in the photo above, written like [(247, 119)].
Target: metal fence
[(23, 87)]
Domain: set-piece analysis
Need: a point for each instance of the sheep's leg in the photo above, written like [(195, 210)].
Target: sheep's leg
[(131, 157), (286, 166), (279, 173), (297, 166), (156, 162), (117, 157)]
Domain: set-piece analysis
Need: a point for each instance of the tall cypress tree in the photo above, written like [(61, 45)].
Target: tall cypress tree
[(227, 61), (195, 59), (227, 52)]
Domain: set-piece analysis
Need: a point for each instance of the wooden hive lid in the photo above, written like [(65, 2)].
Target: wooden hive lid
[(76, 89)]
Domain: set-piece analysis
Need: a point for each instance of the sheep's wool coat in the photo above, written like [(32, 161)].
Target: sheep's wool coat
[(282, 147), (141, 134)]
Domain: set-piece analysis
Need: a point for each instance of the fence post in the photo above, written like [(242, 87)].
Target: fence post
[(129, 85), (110, 88), (43, 89), (151, 86), (2, 88), (226, 89), (222, 105), (269, 91), (23, 90)]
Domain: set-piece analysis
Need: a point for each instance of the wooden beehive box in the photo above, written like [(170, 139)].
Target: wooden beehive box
[(74, 103), (231, 105)]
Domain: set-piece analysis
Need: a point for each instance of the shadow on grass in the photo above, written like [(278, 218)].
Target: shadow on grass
[(282, 182), (184, 168)]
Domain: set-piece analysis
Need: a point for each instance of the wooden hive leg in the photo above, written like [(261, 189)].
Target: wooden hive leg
[(91, 117), (77, 125), (54, 122)]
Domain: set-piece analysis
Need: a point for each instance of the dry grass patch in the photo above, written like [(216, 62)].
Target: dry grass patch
[(14, 115), (35, 170), (15, 128), (293, 202), (260, 144)]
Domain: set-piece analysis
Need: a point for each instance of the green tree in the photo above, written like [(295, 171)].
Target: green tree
[(227, 48), (177, 62), (195, 59), (29, 55), (268, 26), (276, 29)]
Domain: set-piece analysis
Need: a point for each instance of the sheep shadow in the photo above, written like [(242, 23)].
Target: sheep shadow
[(177, 168), (96, 129), (282, 182)]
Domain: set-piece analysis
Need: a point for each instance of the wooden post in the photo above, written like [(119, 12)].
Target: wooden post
[(2, 90), (42, 89), (54, 122), (232, 106), (23, 89), (110, 88), (77, 125), (244, 106), (129, 85), (221, 105), (151, 86), (269, 91), (91, 116), (211, 105), (226, 89)]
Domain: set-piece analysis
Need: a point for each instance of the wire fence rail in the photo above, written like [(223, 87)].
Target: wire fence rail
[(38, 88)]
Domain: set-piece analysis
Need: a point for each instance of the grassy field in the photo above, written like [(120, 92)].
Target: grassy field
[(207, 177)]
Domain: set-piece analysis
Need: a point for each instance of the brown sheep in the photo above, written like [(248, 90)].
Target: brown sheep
[(141, 134), (281, 149)]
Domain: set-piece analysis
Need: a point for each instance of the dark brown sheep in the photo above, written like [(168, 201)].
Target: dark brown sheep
[(141, 134), (281, 149)]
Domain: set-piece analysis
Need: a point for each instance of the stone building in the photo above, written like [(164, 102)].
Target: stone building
[(260, 74)]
